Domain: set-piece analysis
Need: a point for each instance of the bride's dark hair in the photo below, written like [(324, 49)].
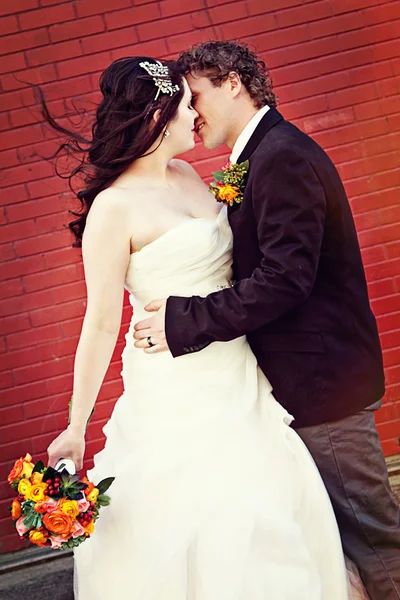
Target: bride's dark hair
[(122, 132)]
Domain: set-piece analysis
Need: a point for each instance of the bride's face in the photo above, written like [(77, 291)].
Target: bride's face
[(181, 129)]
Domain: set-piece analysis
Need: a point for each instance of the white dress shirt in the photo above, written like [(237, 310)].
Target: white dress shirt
[(246, 134)]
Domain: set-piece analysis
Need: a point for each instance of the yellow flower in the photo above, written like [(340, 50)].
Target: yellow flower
[(36, 478), (89, 528), (24, 487), (27, 466), (92, 497), (69, 507), (37, 492), (37, 537), (228, 193)]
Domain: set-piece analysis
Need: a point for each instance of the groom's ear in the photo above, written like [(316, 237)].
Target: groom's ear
[(235, 83)]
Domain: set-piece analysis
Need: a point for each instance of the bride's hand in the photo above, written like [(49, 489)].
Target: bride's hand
[(69, 444)]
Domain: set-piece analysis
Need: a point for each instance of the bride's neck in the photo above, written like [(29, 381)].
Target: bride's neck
[(154, 166)]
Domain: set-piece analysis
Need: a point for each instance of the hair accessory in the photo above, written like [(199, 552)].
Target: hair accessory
[(161, 77)]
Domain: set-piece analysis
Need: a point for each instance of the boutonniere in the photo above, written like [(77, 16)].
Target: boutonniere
[(228, 185)]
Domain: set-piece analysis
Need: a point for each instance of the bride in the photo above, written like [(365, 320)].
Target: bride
[(215, 496)]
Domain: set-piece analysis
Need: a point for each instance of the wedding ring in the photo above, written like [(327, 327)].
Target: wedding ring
[(150, 343)]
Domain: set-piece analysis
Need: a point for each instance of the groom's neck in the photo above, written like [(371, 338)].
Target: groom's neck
[(244, 115)]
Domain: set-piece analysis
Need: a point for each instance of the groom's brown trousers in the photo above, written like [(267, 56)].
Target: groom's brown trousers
[(349, 457)]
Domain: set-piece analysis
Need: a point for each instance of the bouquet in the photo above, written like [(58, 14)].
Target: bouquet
[(54, 508)]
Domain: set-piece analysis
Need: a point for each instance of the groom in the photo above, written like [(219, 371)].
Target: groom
[(300, 297)]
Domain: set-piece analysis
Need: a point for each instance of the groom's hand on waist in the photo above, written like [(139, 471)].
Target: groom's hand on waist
[(150, 333)]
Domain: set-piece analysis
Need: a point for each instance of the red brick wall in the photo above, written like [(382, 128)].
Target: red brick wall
[(336, 67)]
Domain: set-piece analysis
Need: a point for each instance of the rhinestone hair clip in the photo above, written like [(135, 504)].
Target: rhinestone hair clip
[(161, 77)]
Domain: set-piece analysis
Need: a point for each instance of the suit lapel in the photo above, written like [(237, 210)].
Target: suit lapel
[(271, 118)]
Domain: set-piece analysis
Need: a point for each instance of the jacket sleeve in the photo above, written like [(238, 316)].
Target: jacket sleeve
[(289, 208)]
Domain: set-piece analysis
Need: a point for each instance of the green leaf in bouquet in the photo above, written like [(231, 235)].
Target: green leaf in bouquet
[(68, 479), (105, 484), (73, 542), (15, 484), (28, 506), (33, 521), (71, 486), (39, 467), (81, 485), (218, 175), (103, 500)]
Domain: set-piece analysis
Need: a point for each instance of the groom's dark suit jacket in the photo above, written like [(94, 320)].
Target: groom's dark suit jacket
[(301, 296)]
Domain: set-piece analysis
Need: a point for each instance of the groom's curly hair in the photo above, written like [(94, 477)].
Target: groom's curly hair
[(216, 59)]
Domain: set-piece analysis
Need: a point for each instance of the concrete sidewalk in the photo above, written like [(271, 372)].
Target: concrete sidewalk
[(31, 576)]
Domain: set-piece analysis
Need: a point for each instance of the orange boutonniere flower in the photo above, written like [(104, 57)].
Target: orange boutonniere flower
[(229, 183)]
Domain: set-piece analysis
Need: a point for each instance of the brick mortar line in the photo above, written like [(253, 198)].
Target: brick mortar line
[(379, 208), (212, 25)]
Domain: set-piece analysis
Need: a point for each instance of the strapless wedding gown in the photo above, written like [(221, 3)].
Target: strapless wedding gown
[(215, 496)]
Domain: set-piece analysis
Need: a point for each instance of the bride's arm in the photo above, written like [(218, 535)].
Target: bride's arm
[(105, 251)]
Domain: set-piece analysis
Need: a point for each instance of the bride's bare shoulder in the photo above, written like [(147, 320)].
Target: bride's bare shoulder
[(116, 197), (111, 204)]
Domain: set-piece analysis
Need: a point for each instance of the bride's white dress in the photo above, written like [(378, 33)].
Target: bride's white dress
[(215, 496)]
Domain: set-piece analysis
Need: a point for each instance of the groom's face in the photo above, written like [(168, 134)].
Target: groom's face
[(215, 108)]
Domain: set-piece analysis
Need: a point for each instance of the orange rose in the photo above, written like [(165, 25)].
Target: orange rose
[(37, 537), (23, 467), (228, 193), (16, 471), (58, 522), (36, 478), (16, 510)]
